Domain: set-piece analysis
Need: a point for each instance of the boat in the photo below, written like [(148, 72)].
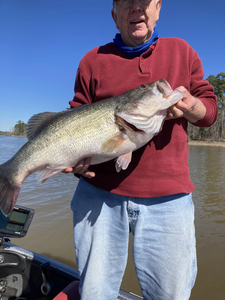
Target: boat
[(26, 275)]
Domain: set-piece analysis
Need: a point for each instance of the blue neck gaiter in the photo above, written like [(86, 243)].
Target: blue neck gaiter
[(135, 51)]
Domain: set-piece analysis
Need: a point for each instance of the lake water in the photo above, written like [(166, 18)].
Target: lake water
[(51, 232)]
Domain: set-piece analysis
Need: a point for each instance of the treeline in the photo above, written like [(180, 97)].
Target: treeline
[(19, 130), (216, 131)]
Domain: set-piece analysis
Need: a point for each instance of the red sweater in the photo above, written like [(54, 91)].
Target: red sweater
[(161, 167)]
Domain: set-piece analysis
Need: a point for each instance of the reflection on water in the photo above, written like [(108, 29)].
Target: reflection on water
[(51, 231), (207, 166)]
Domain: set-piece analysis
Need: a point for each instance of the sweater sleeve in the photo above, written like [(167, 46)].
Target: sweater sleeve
[(201, 89), (85, 86), (82, 90)]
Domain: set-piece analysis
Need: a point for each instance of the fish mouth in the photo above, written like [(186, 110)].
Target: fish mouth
[(164, 87), (124, 125), (131, 126)]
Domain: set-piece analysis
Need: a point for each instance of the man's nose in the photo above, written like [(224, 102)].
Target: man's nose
[(135, 4)]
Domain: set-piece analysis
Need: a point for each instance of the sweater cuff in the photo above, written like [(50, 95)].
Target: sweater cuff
[(210, 116)]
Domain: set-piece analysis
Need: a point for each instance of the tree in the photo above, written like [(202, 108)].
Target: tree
[(20, 128), (218, 83), (217, 131)]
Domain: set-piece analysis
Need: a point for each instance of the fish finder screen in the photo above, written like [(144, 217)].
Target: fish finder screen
[(16, 221)]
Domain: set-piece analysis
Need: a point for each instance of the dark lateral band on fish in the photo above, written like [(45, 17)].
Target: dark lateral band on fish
[(105, 130)]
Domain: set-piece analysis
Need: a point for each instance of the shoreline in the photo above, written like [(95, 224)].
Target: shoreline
[(13, 135), (190, 142), (206, 143)]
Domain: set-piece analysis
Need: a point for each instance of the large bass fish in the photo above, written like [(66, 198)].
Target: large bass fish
[(104, 130)]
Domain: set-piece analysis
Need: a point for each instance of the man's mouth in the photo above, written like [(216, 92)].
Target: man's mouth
[(137, 22)]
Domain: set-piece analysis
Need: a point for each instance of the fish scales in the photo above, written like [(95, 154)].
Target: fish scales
[(104, 130)]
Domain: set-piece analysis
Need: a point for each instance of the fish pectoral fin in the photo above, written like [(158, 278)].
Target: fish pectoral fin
[(113, 143), (44, 174), (123, 161)]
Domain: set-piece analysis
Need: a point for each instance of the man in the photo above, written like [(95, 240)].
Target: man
[(152, 198)]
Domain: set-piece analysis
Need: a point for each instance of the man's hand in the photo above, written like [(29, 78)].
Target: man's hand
[(189, 107), (81, 168)]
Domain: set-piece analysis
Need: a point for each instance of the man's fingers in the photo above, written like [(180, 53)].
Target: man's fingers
[(88, 174), (82, 165), (68, 170), (81, 168), (173, 112)]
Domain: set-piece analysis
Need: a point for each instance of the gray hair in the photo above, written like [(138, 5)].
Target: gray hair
[(117, 0)]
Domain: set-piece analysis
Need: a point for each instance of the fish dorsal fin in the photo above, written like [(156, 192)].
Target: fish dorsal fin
[(36, 122)]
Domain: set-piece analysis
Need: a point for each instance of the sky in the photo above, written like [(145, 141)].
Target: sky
[(43, 41)]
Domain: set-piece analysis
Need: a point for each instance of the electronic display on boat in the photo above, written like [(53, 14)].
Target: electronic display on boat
[(17, 223)]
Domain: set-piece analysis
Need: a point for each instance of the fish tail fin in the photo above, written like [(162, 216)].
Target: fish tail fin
[(8, 192)]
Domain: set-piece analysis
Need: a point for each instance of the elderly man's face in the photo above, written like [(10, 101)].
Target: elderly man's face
[(136, 20)]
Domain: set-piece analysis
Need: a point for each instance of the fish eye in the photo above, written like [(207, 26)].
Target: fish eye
[(143, 87)]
